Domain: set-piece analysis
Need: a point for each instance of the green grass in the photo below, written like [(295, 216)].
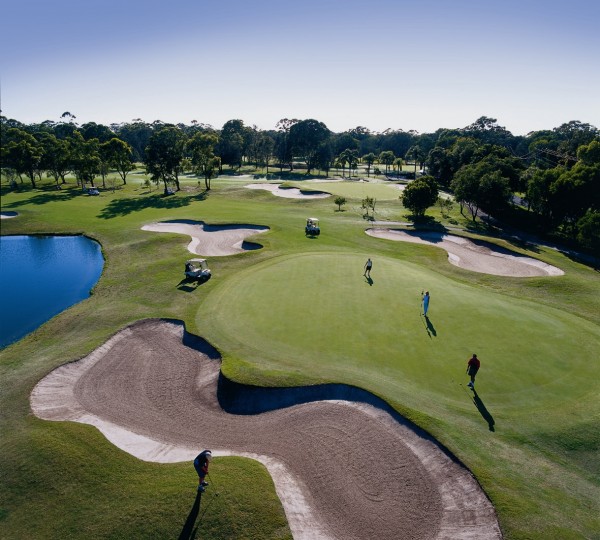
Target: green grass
[(299, 311)]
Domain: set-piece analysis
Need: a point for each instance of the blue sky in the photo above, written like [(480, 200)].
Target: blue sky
[(398, 64)]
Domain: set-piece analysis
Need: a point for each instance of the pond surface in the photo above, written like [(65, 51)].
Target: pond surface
[(40, 276)]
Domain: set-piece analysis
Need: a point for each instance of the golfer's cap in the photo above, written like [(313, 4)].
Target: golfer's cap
[(208, 455)]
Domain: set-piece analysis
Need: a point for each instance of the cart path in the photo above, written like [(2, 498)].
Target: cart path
[(211, 240), (478, 256), (342, 469)]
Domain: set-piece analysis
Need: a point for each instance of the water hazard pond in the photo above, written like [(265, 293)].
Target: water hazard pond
[(40, 276)]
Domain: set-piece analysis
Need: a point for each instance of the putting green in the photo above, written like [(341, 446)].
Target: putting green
[(316, 313), (354, 189)]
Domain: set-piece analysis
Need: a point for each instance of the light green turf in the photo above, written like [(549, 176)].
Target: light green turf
[(355, 190), (318, 311), (299, 311)]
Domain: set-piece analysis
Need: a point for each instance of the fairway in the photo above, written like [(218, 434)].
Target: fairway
[(318, 313), (298, 312)]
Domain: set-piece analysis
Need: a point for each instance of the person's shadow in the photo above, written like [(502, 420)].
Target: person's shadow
[(189, 532), (430, 327), (369, 280), (487, 416)]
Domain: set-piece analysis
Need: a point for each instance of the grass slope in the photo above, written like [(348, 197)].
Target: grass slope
[(299, 311)]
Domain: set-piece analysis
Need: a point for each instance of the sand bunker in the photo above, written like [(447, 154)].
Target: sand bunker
[(8, 215), (211, 240), (289, 193), (472, 255), (343, 470)]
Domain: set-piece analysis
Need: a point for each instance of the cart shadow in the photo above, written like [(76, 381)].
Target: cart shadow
[(188, 285)]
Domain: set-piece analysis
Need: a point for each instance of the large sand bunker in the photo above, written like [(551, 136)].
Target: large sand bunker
[(289, 193), (342, 469), (211, 240), (8, 215), (477, 256)]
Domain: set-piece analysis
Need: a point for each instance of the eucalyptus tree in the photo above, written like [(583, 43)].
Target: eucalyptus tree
[(204, 161), (306, 136), (324, 157), (91, 130), (22, 152), (120, 157), (85, 159), (56, 157), (481, 186), (232, 142), (137, 134), (164, 155), (487, 131), (283, 149)]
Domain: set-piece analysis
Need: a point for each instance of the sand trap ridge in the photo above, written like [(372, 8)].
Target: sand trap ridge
[(211, 240), (477, 256), (289, 193), (343, 470)]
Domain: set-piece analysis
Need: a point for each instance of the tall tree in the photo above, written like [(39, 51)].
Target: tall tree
[(119, 157), (369, 159), (85, 159), (283, 149), (56, 158), (164, 155), (22, 153), (204, 161), (305, 138), (232, 143)]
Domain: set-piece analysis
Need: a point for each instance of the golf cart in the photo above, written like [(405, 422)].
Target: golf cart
[(312, 227), (197, 269)]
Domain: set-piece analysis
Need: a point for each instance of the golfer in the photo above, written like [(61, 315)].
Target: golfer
[(426, 303), (201, 466), (472, 369), (368, 266)]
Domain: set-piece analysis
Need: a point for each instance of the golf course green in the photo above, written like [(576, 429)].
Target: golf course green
[(300, 311)]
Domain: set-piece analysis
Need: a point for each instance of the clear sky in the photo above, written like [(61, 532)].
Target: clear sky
[(398, 64)]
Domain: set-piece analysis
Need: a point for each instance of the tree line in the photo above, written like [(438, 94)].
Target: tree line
[(554, 174)]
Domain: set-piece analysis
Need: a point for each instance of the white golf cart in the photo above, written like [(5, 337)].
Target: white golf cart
[(312, 227), (197, 269)]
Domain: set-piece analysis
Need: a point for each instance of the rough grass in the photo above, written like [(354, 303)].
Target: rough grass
[(537, 338)]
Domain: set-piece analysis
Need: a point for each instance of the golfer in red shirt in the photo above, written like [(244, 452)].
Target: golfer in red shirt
[(472, 369)]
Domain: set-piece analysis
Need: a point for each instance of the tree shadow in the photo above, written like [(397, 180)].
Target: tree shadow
[(189, 532), (487, 416), (123, 207), (47, 197)]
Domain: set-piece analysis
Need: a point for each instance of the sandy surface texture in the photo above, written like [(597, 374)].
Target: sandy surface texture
[(211, 240), (343, 470), (8, 215), (474, 255), (289, 193)]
